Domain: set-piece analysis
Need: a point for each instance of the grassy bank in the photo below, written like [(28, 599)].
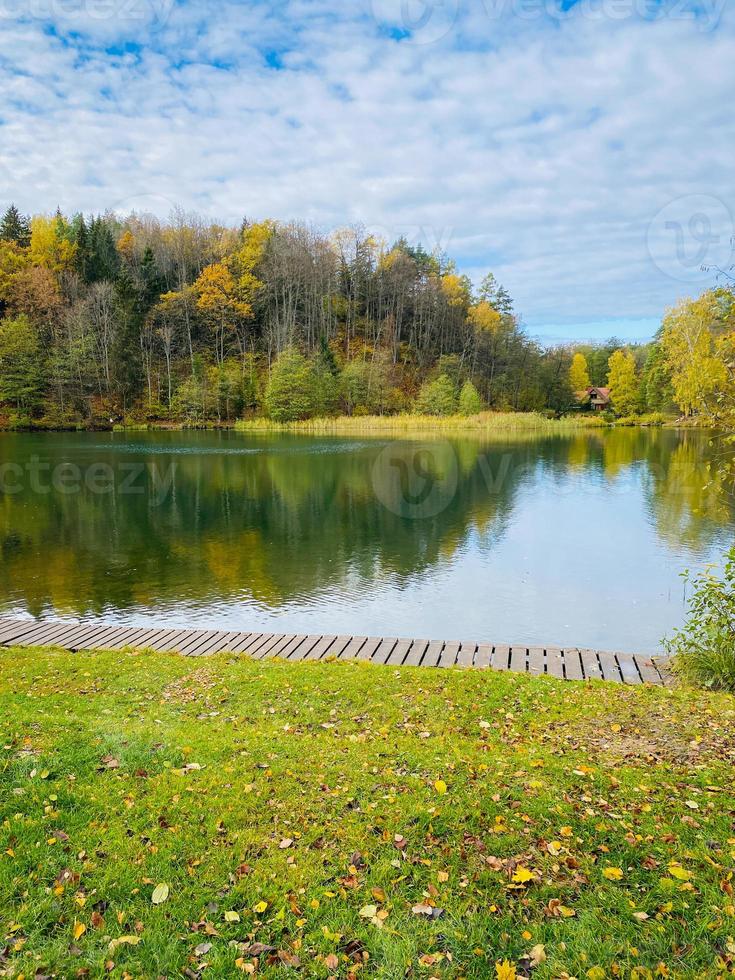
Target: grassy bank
[(166, 817), (485, 422)]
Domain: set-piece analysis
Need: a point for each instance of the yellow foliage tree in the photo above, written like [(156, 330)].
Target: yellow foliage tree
[(579, 376), (49, 246), (485, 318), (622, 382), (217, 298), (245, 261), (126, 245), (13, 260), (697, 340), (456, 289)]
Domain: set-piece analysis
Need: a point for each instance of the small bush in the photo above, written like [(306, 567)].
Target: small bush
[(470, 402), (437, 397), (290, 393), (704, 649), (649, 418)]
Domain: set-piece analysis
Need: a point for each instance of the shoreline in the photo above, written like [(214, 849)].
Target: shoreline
[(484, 422)]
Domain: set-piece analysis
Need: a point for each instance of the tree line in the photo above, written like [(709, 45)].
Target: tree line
[(108, 318), (688, 369)]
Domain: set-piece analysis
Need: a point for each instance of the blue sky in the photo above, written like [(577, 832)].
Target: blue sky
[(582, 150)]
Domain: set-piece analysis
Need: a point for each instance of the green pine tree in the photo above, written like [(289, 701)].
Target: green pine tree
[(15, 227), (470, 402)]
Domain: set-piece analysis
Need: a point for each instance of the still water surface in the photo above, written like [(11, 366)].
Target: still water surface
[(575, 540)]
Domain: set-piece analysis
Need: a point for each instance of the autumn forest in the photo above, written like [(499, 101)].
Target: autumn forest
[(108, 319)]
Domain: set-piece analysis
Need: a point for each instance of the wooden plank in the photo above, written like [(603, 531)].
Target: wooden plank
[(291, 649), (256, 644), (48, 634), (86, 637), (384, 649), (536, 660), (466, 654), (15, 629), (121, 637), (416, 653), (150, 638), (173, 640), (368, 648), (483, 655), (398, 653), (661, 664), (267, 646), (518, 659), (320, 648), (244, 641), (337, 646), (610, 669), (302, 649), (433, 653), (27, 635), (647, 670), (590, 665), (628, 669), (554, 662), (196, 638), (353, 648), (216, 644), (276, 652), (448, 656), (572, 663)]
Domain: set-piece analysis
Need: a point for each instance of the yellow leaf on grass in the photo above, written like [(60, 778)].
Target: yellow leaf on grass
[(79, 930), (160, 894), (232, 917), (676, 871), (613, 874), (260, 907), (440, 786), (596, 973), (522, 875), (505, 970)]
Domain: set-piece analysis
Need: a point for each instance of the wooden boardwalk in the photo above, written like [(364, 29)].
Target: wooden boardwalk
[(568, 664)]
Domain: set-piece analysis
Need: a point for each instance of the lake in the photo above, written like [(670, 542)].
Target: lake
[(567, 540)]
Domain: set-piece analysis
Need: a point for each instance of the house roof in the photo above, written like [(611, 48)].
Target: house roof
[(603, 393)]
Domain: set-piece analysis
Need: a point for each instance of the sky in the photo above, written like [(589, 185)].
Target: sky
[(582, 150)]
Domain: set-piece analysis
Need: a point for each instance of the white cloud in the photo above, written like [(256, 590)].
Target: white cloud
[(541, 147)]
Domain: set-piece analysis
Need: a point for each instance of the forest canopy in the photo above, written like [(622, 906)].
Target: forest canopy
[(109, 318)]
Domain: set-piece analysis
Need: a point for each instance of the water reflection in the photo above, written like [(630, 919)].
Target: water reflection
[(288, 533)]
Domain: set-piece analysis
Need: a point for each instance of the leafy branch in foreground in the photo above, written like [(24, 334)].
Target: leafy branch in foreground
[(704, 649)]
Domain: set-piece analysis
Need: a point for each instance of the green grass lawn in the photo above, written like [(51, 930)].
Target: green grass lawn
[(167, 817)]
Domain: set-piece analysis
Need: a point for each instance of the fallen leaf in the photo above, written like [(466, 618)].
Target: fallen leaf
[(522, 875), (160, 894), (537, 955), (440, 786), (613, 874)]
